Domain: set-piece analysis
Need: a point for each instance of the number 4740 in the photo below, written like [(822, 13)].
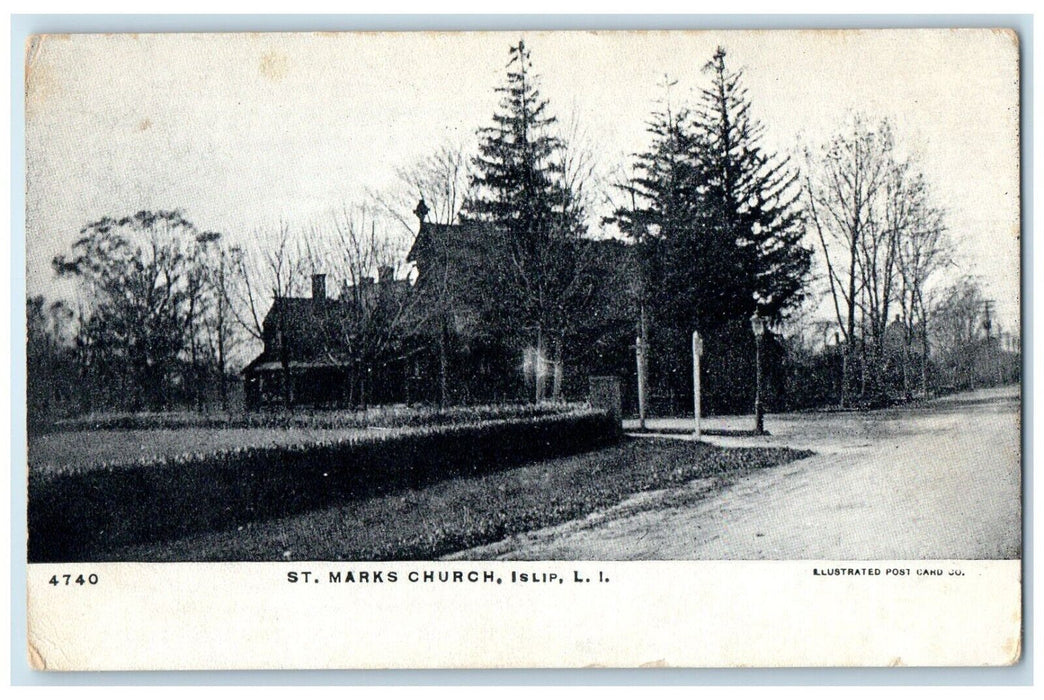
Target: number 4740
[(68, 579)]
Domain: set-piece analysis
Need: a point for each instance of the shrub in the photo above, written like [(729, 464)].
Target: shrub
[(75, 512), (379, 417)]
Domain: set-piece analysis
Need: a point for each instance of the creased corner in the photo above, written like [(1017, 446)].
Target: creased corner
[(1013, 649), (32, 49), (36, 659), (1010, 34)]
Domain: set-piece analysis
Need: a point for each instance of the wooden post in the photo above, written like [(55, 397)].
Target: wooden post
[(757, 324), (697, 352), (641, 347), (759, 410), (639, 351)]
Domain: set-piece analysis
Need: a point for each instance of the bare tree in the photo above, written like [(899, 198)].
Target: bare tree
[(202, 301), (51, 372), (923, 249), (378, 310), (135, 275), (883, 241), (583, 183), (256, 280), (958, 321), (220, 325), (844, 189), (878, 264), (442, 180)]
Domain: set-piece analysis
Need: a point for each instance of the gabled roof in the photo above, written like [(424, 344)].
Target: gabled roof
[(436, 238), (314, 329), (308, 325)]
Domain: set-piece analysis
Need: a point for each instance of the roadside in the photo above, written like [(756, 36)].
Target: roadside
[(936, 481), (446, 516)]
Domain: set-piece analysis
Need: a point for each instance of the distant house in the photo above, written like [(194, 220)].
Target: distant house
[(318, 351)]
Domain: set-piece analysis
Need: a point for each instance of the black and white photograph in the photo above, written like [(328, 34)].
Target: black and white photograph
[(556, 297)]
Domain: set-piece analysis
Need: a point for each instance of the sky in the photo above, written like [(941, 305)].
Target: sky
[(243, 131)]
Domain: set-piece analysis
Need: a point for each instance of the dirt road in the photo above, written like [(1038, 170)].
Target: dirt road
[(940, 481)]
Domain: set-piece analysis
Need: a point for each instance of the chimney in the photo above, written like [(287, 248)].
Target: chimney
[(385, 273), (318, 287)]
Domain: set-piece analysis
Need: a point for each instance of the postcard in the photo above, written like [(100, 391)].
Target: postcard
[(523, 349)]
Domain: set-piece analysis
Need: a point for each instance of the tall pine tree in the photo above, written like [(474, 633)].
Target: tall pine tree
[(755, 197), (533, 278), (718, 229), (665, 217)]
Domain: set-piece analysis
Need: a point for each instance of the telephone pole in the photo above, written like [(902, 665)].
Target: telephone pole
[(641, 355), (697, 352)]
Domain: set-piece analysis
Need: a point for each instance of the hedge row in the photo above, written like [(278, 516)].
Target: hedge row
[(78, 516), (381, 417)]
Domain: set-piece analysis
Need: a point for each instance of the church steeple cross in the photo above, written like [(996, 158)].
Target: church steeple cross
[(422, 210)]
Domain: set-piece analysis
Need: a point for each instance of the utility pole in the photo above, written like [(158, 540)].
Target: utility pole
[(641, 346), (998, 354), (697, 352), (757, 324), (844, 354), (641, 351)]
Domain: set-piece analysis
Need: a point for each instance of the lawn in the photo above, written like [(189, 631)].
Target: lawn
[(84, 508), (83, 449), (123, 438), (463, 512)]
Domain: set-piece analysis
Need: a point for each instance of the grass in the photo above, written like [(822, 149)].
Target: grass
[(85, 449), (74, 513), (464, 512), (115, 438)]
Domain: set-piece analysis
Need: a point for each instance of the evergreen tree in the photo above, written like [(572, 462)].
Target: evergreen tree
[(662, 218), (664, 197), (533, 280), (754, 196), (718, 228), (518, 176)]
